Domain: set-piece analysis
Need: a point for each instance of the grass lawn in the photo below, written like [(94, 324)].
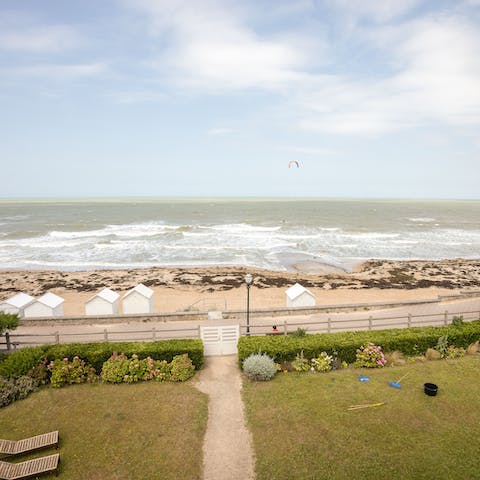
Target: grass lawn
[(139, 431), (302, 429)]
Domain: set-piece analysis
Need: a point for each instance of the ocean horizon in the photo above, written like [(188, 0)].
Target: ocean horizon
[(135, 232)]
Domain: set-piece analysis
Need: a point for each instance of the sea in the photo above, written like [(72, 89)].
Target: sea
[(92, 234)]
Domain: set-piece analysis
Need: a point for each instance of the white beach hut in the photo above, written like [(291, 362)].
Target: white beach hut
[(16, 304), (299, 296), (138, 300), (103, 303), (48, 305)]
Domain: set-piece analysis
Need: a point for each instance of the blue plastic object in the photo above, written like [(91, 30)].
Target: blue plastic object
[(363, 379)]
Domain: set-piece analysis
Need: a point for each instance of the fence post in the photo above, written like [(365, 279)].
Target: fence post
[(370, 322), (284, 327), (445, 318), (154, 333), (329, 325), (199, 332), (409, 320), (105, 335), (7, 340), (57, 337)]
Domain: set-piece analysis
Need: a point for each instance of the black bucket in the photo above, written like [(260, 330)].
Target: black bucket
[(430, 389)]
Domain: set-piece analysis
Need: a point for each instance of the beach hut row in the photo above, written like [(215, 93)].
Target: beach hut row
[(138, 300), (25, 306)]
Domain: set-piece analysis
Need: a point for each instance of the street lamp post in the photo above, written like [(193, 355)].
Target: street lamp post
[(248, 282)]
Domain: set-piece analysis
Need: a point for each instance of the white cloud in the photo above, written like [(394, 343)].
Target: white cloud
[(316, 152), (57, 71), (210, 47), (424, 71), (138, 97), (375, 10), (436, 80), (219, 131), (20, 34)]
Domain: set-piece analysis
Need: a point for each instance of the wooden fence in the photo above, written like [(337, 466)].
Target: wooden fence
[(12, 341)]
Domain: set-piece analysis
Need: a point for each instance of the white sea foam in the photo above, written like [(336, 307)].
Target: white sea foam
[(200, 238), (421, 219)]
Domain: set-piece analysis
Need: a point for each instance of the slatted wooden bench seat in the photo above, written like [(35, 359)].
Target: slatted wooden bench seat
[(29, 468), (16, 447)]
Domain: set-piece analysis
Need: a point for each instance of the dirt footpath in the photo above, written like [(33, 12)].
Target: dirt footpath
[(227, 448)]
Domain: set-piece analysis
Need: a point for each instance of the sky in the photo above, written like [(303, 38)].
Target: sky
[(214, 98)]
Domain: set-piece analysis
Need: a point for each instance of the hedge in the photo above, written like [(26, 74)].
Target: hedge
[(21, 361), (410, 341)]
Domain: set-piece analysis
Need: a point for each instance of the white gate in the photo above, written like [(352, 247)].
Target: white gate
[(220, 340)]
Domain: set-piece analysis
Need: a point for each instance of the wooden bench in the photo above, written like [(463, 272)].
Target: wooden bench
[(29, 468), (16, 447)]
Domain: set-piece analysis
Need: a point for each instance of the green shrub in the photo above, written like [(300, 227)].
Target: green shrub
[(442, 346), (181, 368), (457, 321), (21, 361), (65, 372), (409, 341), (8, 321), (15, 389), (301, 364), (7, 392), (322, 363), (25, 385), (137, 369), (120, 368), (115, 369), (455, 352), (260, 367), (299, 333), (96, 354)]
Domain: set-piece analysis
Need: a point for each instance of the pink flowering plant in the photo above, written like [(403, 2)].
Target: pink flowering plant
[(121, 369), (370, 356), (181, 368), (115, 368), (66, 372)]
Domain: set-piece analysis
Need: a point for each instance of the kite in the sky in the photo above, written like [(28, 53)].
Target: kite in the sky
[(293, 162)]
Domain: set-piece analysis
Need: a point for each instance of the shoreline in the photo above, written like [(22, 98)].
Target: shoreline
[(223, 287)]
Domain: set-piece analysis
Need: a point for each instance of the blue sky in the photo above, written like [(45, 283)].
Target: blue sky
[(215, 97)]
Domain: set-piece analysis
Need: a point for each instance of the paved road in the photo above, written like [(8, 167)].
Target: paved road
[(431, 314)]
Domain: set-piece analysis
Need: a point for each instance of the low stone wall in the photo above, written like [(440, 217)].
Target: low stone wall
[(107, 319), (229, 314)]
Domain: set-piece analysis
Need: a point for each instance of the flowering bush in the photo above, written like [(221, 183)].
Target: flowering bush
[(65, 372), (115, 368), (137, 369), (119, 368), (158, 370), (323, 363), (181, 368), (370, 356), (301, 364)]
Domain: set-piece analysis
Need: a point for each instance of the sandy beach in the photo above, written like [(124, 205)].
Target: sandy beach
[(222, 288)]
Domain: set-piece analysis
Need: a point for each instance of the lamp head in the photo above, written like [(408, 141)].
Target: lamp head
[(248, 279)]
